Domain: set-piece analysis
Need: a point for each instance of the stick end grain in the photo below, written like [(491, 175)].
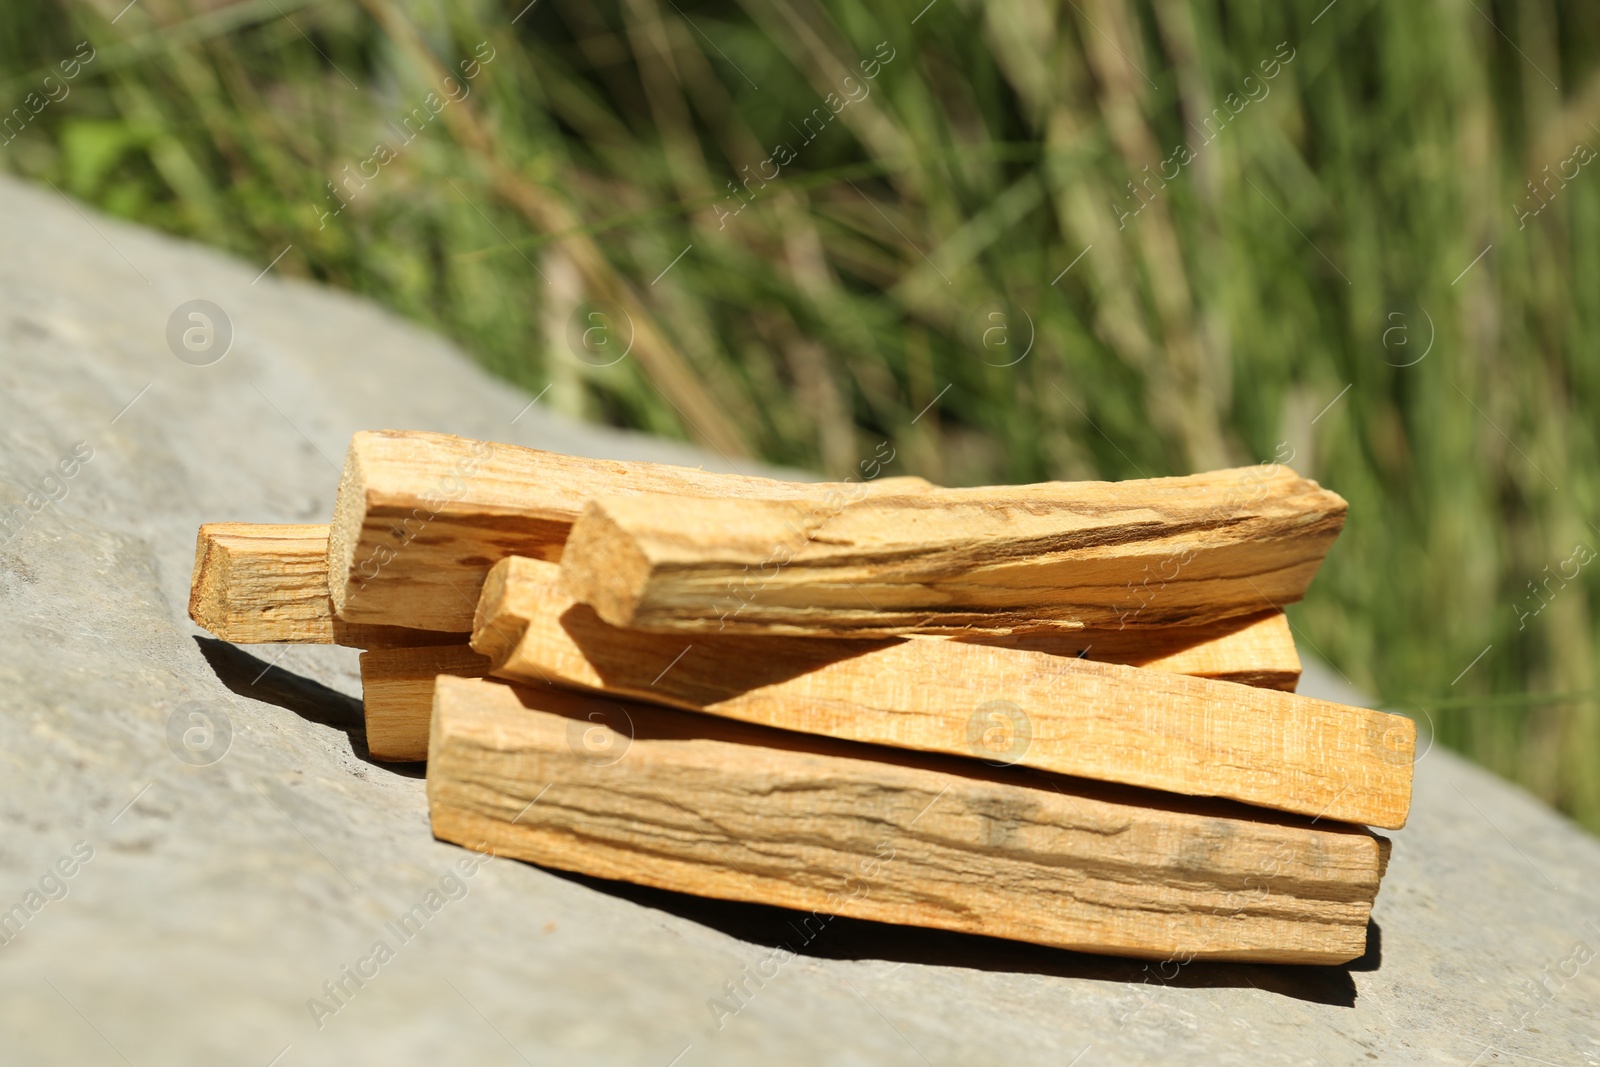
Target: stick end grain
[(604, 566), (207, 587), (349, 516), (1393, 739), (255, 583), (503, 609), (494, 633), (1378, 791)]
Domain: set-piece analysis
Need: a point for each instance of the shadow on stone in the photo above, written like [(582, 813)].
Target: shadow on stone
[(250, 676), (1371, 959), (828, 937), (841, 938)]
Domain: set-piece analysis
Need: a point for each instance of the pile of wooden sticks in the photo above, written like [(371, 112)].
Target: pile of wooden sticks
[(1061, 713)]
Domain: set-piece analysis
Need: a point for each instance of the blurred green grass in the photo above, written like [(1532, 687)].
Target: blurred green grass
[(904, 278)]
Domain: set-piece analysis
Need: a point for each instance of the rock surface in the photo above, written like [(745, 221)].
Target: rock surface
[(224, 891)]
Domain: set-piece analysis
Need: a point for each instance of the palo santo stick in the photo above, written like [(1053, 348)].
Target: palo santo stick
[(1054, 556), (1104, 721), (1259, 652), (397, 694), (724, 810), (421, 517), (259, 583), (1253, 650), (1259, 649)]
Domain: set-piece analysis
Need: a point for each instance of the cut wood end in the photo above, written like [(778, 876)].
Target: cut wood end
[(262, 582), (1385, 848), (604, 566), (1394, 739), (349, 514), (205, 584), (507, 603)]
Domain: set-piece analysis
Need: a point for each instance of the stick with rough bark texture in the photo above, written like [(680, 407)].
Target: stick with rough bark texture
[(259, 583), (1104, 721), (421, 517), (1059, 555), (724, 810), (397, 695)]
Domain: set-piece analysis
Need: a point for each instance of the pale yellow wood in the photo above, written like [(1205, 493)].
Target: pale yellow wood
[(421, 517), (397, 693), (261, 583), (1059, 555), (724, 810), (1104, 721), (1253, 650), (1258, 650)]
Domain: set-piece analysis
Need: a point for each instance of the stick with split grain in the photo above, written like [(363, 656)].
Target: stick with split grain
[(999, 560), (1103, 721), (258, 583), (724, 810), (421, 517)]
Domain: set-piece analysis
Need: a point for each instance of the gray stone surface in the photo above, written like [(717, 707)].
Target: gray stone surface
[(220, 898)]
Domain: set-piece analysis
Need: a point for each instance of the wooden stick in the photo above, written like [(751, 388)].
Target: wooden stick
[(1104, 721), (258, 583), (1257, 650), (421, 517), (998, 560), (1253, 650), (397, 693), (696, 805)]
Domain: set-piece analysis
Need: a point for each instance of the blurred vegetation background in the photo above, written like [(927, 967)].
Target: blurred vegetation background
[(1018, 241)]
